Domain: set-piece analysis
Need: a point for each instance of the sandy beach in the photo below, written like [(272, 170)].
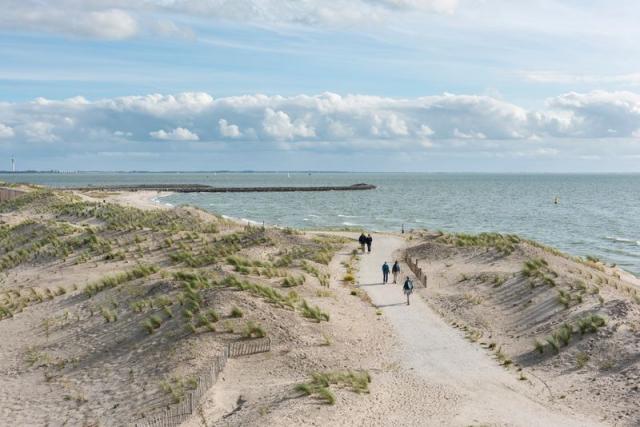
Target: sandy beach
[(112, 304)]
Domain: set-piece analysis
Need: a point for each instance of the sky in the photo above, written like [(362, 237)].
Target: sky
[(361, 85)]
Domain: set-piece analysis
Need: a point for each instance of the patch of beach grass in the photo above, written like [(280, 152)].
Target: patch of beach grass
[(320, 383), (142, 270), (292, 281), (314, 313), (253, 330), (236, 313)]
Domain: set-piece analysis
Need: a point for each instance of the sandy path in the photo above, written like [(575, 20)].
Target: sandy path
[(485, 392)]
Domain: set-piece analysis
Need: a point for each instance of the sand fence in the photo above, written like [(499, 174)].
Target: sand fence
[(176, 414), (9, 194), (416, 270)]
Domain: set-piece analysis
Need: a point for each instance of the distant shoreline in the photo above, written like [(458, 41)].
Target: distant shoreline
[(299, 172)]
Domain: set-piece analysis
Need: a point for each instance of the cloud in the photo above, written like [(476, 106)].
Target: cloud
[(230, 131), (438, 6), (278, 125), (119, 19), (632, 79), (69, 18), (471, 135), (598, 114), (326, 121), (168, 28), (177, 134), (39, 132), (6, 131)]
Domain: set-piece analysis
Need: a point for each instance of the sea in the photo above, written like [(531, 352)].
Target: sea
[(596, 215)]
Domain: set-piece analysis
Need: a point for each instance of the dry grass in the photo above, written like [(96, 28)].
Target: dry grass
[(320, 383)]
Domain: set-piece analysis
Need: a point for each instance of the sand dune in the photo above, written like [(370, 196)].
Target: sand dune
[(109, 306)]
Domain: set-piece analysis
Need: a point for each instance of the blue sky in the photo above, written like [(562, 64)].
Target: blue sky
[(417, 85)]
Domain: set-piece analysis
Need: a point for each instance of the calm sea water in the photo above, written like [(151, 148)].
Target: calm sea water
[(597, 214)]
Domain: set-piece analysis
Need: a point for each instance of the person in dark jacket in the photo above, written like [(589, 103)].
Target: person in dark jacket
[(369, 241), (385, 273), (395, 270), (407, 288), (362, 240)]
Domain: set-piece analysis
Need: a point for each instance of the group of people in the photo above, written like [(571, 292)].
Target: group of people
[(395, 270), (407, 287), (365, 240)]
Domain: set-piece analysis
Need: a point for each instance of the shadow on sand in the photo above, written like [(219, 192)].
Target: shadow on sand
[(391, 305)]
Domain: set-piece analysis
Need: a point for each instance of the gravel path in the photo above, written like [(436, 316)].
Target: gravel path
[(479, 391)]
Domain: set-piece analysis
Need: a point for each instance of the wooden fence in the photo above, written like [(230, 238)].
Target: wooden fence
[(176, 414), (421, 276), (9, 194)]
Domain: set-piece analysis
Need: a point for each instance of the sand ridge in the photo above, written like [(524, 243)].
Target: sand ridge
[(72, 357)]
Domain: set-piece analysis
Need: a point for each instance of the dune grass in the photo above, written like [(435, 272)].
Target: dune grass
[(323, 278), (267, 292), (142, 270), (236, 313), (314, 313), (538, 272), (503, 243), (253, 330), (563, 336), (176, 387), (320, 383), (292, 281)]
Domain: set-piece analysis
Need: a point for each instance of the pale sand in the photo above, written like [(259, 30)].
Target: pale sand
[(423, 371), (136, 199), (477, 390)]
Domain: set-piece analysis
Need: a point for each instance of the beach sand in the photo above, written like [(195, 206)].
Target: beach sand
[(77, 348)]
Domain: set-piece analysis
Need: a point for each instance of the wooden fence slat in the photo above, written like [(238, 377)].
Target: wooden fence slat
[(176, 414)]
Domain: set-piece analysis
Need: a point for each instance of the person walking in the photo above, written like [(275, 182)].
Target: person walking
[(395, 270), (385, 273), (408, 288), (362, 240), (369, 241)]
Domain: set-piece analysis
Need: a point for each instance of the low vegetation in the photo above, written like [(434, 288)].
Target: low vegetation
[(320, 383), (314, 313), (503, 243), (177, 387), (142, 270), (562, 336)]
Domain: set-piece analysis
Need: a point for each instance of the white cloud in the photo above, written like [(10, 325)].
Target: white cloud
[(93, 19), (424, 131), (177, 134), (6, 131), (39, 131), (470, 135), (599, 113), (168, 28), (117, 19), (632, 79), (278, 125), (230, 131), (325, 121)]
